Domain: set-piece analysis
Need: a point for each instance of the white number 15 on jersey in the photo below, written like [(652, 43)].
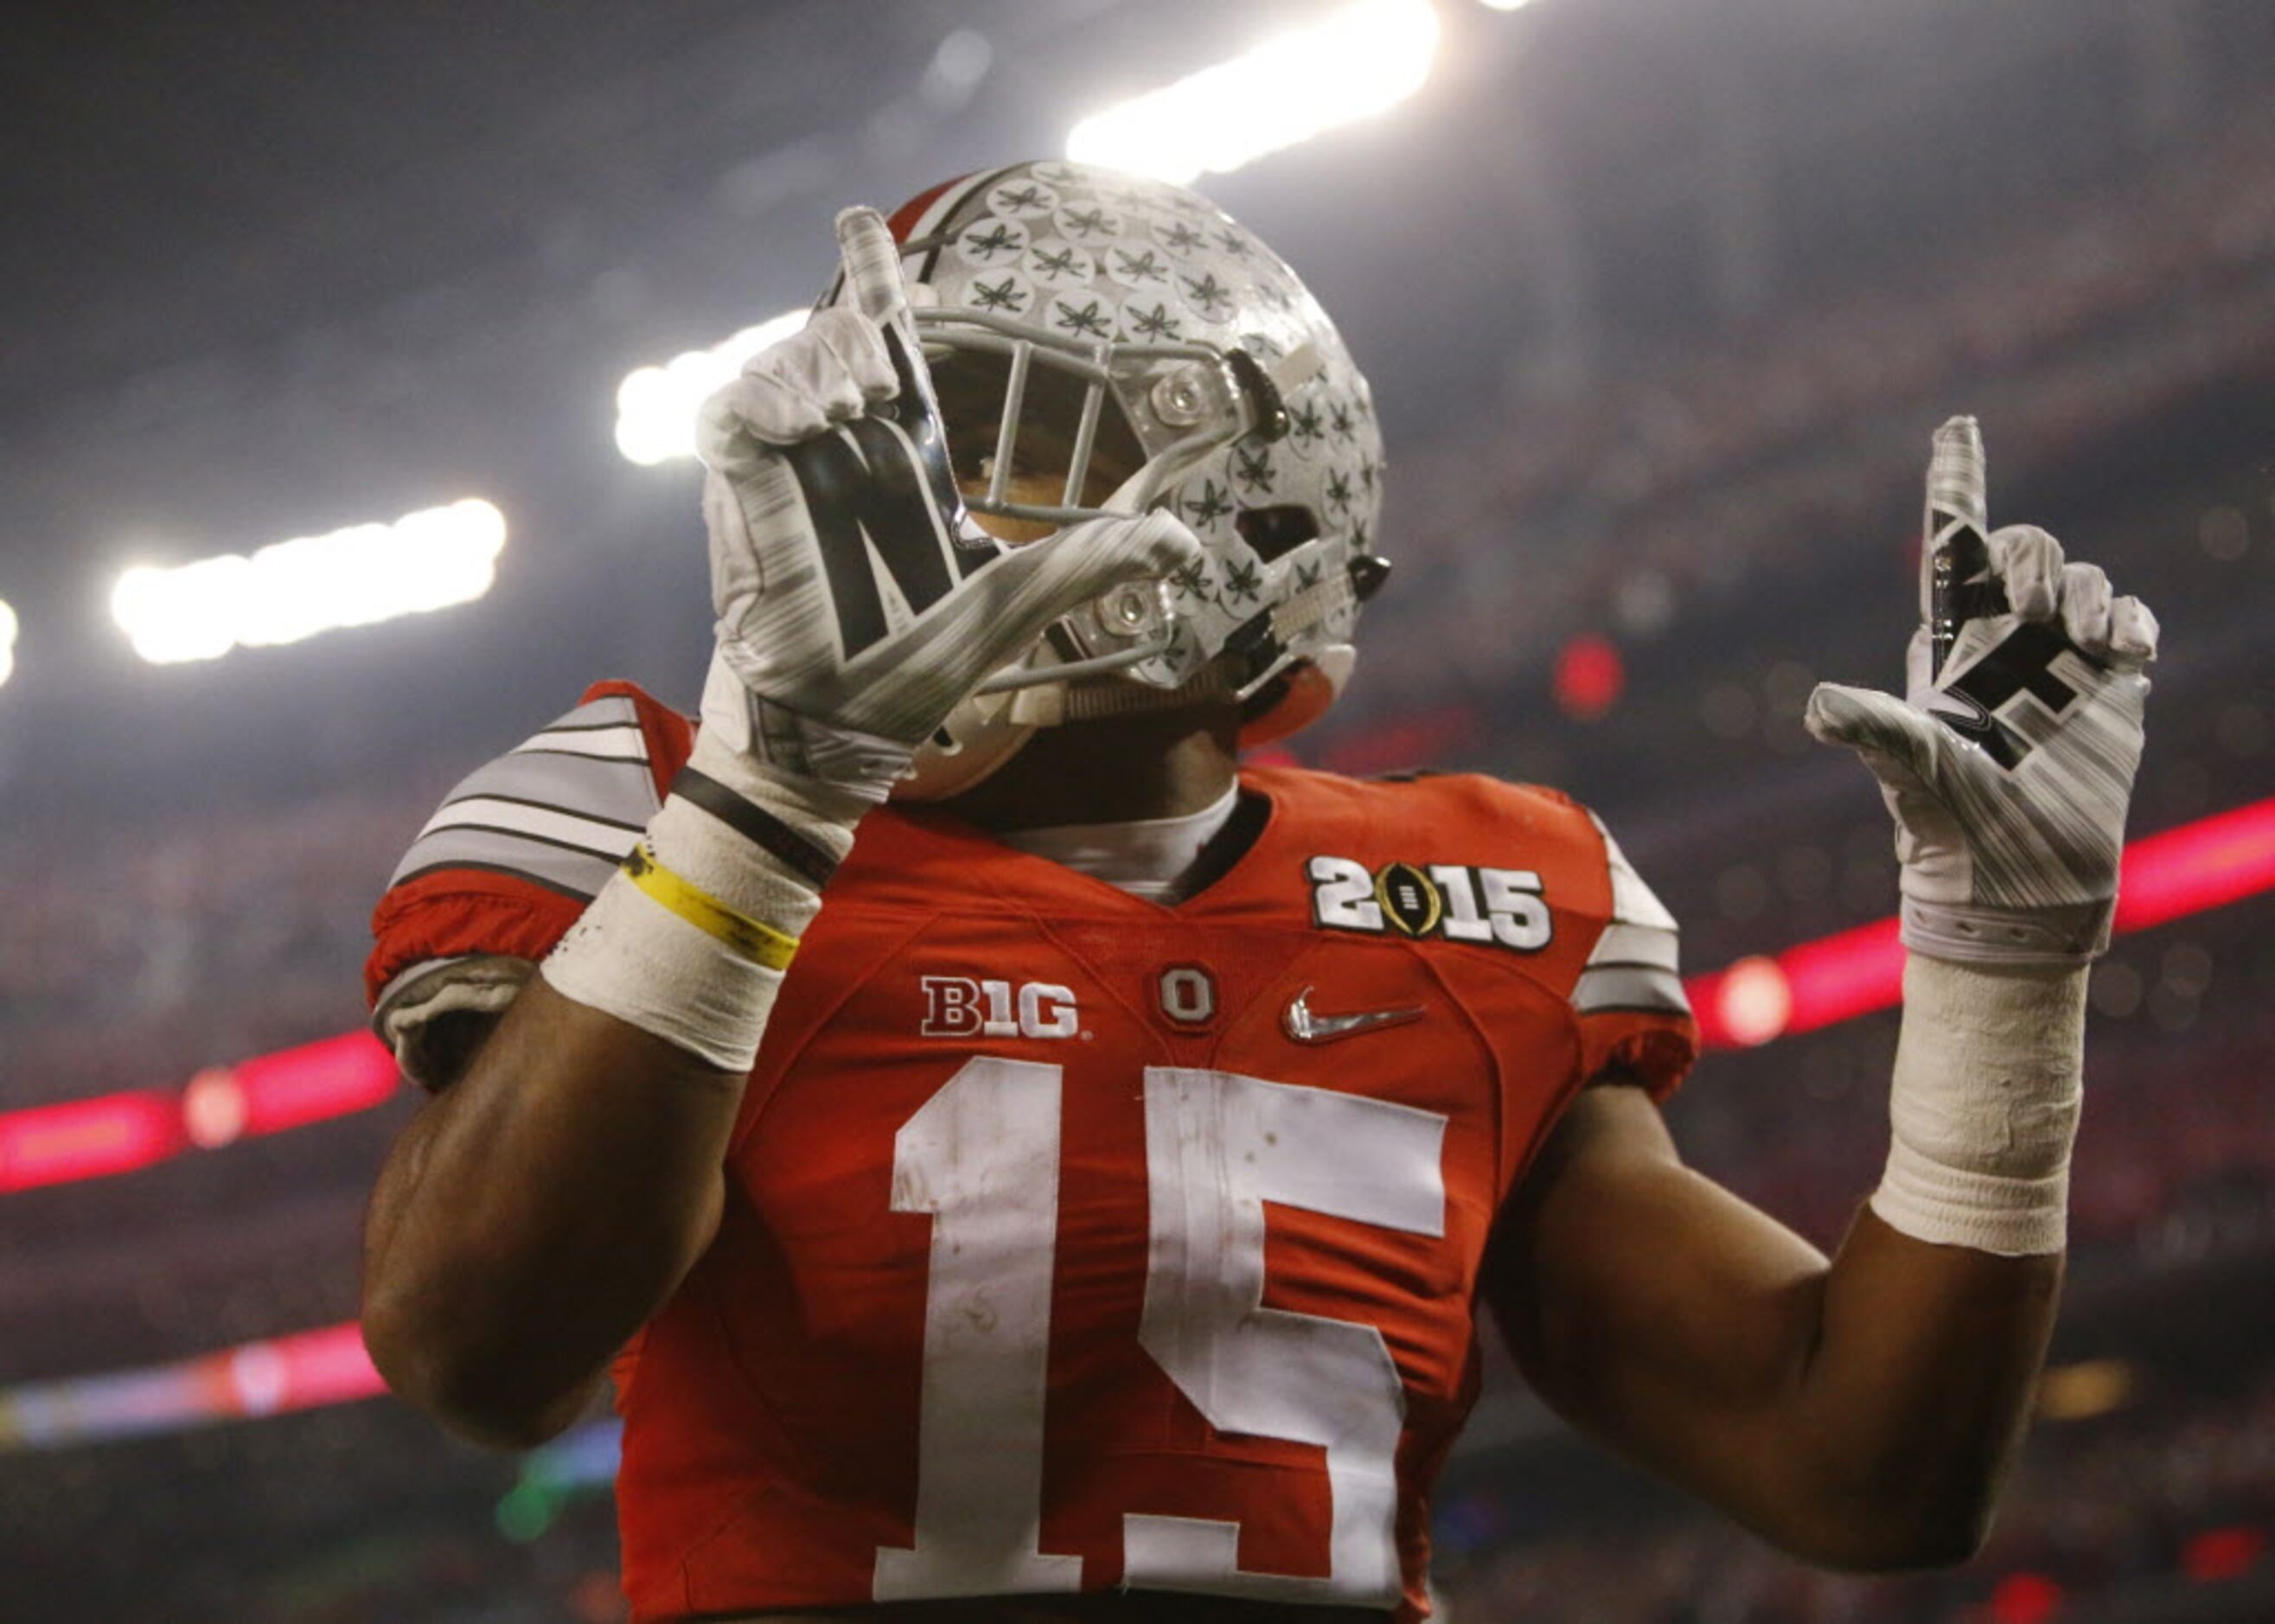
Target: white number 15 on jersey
[(982, 1156)]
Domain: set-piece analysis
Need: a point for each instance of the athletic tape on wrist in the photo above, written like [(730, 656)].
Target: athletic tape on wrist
[(752, 938), (754, 823), (1983, 1106), (631, 957), (689, 941)]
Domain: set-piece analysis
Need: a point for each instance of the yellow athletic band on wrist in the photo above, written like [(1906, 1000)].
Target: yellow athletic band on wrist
[(753, 938)]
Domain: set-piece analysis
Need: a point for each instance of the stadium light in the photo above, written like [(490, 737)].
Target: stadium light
[(655, 406), (7, 642), (1357, 62), (290, 589)]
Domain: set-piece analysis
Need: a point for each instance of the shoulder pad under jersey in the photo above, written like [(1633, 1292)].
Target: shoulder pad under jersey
[(1634, 965), (517, 849), (561, 810)]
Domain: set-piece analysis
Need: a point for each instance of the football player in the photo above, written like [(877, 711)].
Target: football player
[(1019, 1163)]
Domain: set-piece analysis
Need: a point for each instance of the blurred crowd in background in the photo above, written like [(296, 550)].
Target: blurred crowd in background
[(1643, 562)]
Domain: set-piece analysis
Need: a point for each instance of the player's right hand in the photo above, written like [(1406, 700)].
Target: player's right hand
[(851, 589)]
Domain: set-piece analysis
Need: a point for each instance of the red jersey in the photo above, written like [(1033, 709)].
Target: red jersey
[(1074, 1241)]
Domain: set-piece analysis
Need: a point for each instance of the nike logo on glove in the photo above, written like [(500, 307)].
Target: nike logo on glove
[(1959, 712), (1300, 1023)]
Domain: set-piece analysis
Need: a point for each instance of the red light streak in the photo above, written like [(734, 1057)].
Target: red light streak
[(87, 1138), (2223, 858), (2200, 866), (304, 1371), (332, 1077), (123, 1133)]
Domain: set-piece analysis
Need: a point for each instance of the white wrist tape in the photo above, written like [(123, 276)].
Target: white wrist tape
[(1983, 1106), (690, 940)]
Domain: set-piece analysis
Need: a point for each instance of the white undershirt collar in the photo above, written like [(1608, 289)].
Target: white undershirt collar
[(1149, 857)]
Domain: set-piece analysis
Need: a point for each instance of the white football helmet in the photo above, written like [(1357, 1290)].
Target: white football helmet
[(1129, 335)]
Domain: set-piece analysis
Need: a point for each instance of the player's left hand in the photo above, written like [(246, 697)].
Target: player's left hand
[(2007, 770)]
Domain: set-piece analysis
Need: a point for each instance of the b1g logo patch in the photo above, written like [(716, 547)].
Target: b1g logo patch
[(1503, 906), (963, 1006)]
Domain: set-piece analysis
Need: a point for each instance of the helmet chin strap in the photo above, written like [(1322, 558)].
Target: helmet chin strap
[(938, 777), (1096, 698)]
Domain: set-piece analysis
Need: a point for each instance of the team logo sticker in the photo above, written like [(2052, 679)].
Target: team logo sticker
[(1061, 265), (1139, 267), (1410, 899), (1081, 315), (1023, 197), (1151, 320), (1181, 238), (1207, 296), (1186, 993), (1008, 293), (990, 242), (1086, 222)]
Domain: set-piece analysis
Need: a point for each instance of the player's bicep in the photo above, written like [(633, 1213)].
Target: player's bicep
[(1646, 1304)]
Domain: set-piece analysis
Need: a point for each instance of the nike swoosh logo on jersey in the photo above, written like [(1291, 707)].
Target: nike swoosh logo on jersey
[(1300, 1023)]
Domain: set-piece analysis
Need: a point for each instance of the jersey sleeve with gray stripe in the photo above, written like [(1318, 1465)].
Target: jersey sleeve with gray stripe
[(562, 810), (507, 862), (1634, 967)]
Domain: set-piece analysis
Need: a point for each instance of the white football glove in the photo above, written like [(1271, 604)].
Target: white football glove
[(855, 600), (2008, 769)]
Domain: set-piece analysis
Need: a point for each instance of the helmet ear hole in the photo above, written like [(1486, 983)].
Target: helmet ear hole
[(1274, 532)]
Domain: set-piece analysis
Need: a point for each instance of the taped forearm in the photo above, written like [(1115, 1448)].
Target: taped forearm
[(1983, 1106)]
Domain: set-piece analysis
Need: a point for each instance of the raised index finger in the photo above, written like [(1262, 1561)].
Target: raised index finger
[(1957, 513), (875, 287), (873, 267), (1953, 551)]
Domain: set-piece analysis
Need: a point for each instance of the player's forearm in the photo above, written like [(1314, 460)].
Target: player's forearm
[(1911, 1400), (538, 1213), (2010, 807), (1856, 1412), (570, 1179), (1859, 1411), (1935, 1315)]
